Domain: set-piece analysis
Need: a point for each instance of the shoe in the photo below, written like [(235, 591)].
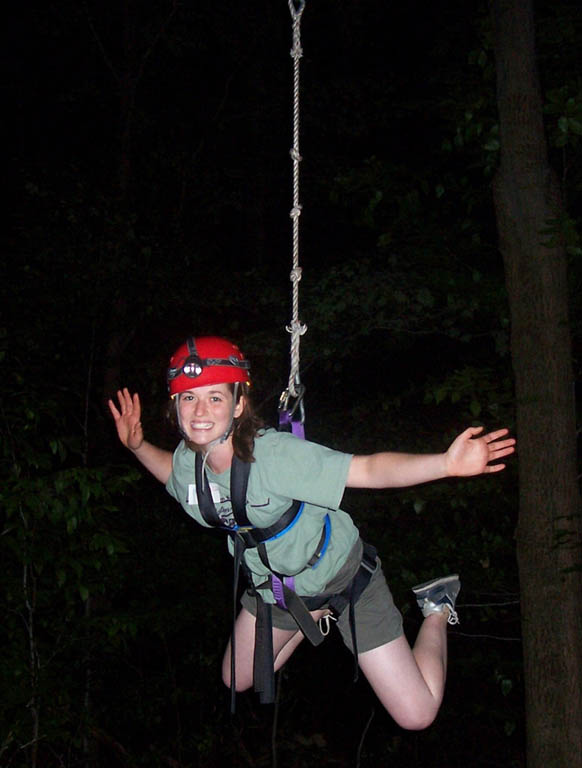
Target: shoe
[(439, 595)]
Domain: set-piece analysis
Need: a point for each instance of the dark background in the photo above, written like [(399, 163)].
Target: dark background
[(148, 189)]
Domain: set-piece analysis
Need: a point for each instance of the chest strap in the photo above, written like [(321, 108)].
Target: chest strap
[(239, 480)]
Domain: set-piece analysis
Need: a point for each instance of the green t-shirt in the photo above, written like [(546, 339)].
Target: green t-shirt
[(285, 468)]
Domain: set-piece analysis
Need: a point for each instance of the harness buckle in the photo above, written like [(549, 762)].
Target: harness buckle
[(369, 560)]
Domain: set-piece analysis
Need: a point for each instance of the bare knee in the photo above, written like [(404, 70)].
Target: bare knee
[(415, 718), (242, 681), (241, 685)]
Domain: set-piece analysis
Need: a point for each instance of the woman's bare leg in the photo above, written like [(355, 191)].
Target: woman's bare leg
[(284, 643), (410, 683)]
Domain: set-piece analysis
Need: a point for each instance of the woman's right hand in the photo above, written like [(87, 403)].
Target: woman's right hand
[(128, 419)]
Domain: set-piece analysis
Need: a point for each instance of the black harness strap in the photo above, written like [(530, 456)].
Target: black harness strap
[(263, 659), (239, 551), (352, 594), (245, 535), (239, 480), (262, 550), (205, 500)]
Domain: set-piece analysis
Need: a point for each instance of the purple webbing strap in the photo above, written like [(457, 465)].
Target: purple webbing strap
[(278, 592), (297, 427)]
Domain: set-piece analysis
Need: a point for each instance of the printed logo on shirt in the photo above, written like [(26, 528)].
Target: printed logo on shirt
[(223, 505), (225, 515)]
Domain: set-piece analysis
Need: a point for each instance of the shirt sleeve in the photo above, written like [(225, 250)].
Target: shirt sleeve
[(299, 469), (172, 484)]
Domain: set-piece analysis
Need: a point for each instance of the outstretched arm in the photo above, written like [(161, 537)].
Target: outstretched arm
[(127, 419), (469, 454)]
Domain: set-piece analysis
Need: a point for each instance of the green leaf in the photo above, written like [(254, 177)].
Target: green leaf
[(440, 394), (71, 524), (561, 141)]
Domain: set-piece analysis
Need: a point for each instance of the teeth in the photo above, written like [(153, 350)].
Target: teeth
[(202, 425)]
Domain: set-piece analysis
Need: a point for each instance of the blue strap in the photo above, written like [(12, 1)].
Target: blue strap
[(288, 527), (325, 542)]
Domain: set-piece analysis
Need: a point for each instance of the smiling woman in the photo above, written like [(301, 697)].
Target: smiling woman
[(205, 414), (278, 499)]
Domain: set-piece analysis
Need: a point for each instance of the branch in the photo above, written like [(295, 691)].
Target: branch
[(100, 45), (162, 29)]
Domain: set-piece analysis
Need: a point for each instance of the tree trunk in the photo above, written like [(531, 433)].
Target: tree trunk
[(549, 528)]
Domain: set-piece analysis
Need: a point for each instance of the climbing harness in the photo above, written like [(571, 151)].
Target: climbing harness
[(245, 536), (292, 414)]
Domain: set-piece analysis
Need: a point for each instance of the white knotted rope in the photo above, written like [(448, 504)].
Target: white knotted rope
[(296, 328)]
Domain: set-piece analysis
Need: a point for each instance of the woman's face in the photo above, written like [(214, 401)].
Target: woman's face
[(205, 412)]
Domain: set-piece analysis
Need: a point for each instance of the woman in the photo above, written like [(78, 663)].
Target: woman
[(316, 543)]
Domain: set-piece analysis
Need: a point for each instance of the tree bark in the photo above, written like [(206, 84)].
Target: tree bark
[(527, 198)]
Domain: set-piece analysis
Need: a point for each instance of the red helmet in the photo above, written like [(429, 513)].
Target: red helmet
[(206, 360)]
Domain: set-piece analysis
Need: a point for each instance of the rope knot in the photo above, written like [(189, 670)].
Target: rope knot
[(296, 328), (295, 275), (295, 212), (294, 152), (296, 52)]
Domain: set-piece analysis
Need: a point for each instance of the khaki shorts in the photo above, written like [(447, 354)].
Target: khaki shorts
[(378, 621)]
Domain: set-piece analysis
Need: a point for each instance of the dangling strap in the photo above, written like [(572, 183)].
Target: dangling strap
[(300, 613), (263, 659), (352, 594), (283, 588), (244, 535), (239, 550)]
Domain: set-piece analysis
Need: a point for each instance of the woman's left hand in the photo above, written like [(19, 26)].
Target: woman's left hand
[(471, 455)]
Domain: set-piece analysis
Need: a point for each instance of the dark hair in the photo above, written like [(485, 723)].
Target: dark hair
[(244, 428)]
